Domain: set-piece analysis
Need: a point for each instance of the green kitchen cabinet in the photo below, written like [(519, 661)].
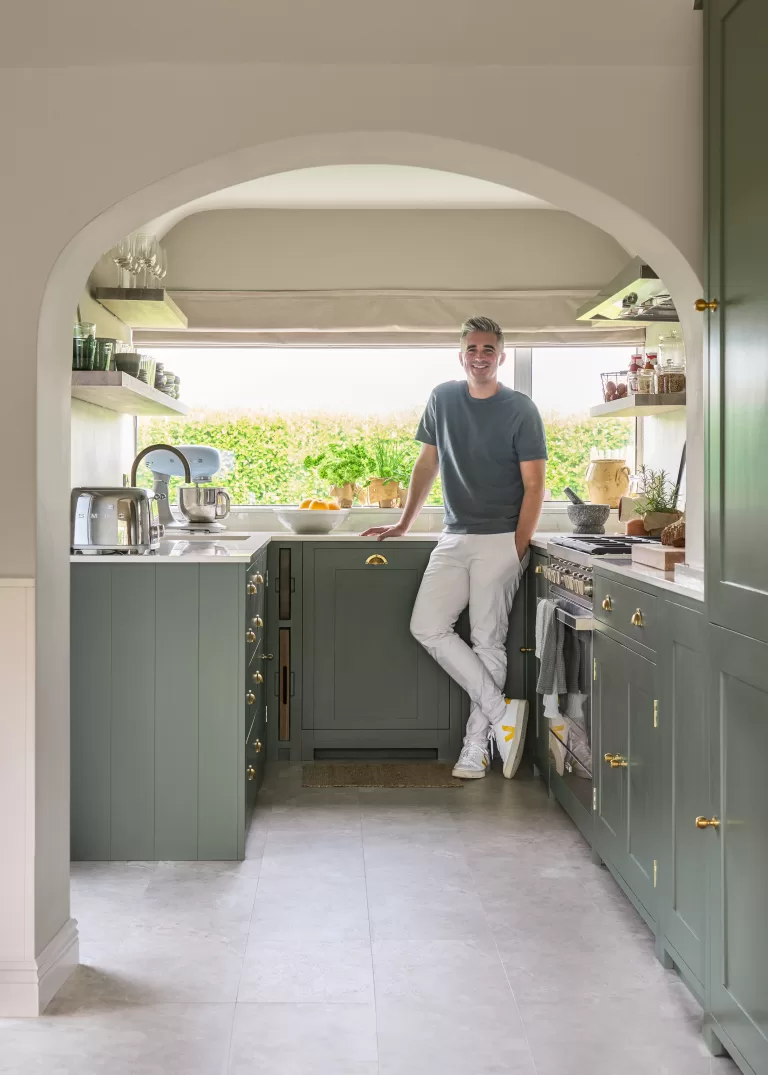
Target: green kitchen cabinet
[(735, 846), (369, 687), (737, 430), (538, 725), (159, 710), (687, 788), (258, 665), (627, 754)]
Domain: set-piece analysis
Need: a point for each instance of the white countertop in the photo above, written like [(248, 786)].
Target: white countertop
[(212, 549), (632, 572)]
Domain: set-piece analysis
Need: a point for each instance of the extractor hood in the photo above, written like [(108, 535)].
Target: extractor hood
[(636, 295)]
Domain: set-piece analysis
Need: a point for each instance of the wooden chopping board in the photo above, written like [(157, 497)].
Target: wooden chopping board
[(662, 557)]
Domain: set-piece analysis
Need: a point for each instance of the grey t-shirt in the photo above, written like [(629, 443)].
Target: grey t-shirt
[(481, 444)]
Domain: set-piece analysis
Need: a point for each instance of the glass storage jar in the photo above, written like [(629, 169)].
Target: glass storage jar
[(671, 350), (670, 379), (83, 345)]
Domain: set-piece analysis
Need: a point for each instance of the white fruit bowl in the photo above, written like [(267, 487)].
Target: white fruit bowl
[(310, 521)]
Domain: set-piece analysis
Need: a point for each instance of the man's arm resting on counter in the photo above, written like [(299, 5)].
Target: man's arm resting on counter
[(533, 473), (425, 470)]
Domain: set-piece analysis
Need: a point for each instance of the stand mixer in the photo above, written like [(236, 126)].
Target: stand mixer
[(201, 505)]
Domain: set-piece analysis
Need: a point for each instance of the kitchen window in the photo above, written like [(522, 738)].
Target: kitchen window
[(267, 409)]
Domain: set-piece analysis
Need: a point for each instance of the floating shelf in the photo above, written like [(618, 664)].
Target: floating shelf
[(639, 406), (120, 392), (142, 307)]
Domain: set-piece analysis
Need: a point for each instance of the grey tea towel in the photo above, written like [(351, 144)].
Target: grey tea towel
[(549, 649)]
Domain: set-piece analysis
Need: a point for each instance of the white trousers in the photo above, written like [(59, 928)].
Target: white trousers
[(482, 571)]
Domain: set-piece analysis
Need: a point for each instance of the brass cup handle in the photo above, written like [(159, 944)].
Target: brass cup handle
[(250, 589), (250, 697), (376, 560), (257, 745), (607, 604), (701, 305), (526, 649), (538, 570), (258, 677), (637, 618), (707, 822), (250, 636), (250, 772)]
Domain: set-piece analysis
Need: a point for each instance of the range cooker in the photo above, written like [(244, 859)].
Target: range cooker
[(569, 573)]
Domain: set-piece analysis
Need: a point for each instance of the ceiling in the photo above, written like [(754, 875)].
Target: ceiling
[(467, 33), (356, 186)]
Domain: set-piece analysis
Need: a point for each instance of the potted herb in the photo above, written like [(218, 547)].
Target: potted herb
[(343, 466), (391, 465), (657, 500)]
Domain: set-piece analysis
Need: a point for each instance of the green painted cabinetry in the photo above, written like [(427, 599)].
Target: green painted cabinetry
[(537, 589), (161, 682)]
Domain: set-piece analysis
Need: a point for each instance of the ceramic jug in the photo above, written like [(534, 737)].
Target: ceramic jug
[(607, 481)]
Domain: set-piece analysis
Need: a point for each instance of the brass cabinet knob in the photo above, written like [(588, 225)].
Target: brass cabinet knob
[(701, 305), (267, 657), (637, 618), (250, 697), (707, 823), (250, 636), (250, 589), (539, 570), (257, 745), (610, 757), (250, 772), (258, 621), (526, 649), (607, 604), (376, 559), (258, 677)]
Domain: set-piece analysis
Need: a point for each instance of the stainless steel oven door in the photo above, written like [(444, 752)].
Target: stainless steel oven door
[(570, 734)]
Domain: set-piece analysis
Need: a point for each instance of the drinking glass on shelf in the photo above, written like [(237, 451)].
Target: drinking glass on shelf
[(123, 256), (146, 253), (160, 269)]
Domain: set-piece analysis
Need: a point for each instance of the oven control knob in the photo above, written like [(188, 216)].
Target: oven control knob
[(588, 588)]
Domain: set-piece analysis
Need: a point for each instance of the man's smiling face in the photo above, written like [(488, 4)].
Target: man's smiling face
[(481, 357)]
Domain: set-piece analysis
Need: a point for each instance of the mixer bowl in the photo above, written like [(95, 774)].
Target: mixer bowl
[(203, 503)]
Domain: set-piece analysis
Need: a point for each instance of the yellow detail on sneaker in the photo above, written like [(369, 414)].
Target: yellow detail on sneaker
[(558, 727), (508, 728), (485, 762)]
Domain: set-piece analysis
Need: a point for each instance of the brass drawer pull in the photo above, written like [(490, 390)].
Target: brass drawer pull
[(539, 570), (616, 761), (250, 697), (258, 677), (526, 649), (637, 618), (707, 823), (607, 604), (376, 559), (267, 657), (250, 772)]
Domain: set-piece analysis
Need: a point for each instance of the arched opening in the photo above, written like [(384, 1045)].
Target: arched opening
[(76, 261)]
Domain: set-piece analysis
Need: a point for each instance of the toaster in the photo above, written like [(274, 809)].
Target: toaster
[(106, 519)]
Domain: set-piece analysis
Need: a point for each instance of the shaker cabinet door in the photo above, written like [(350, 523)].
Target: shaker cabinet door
[(737, 430), (611, 738)]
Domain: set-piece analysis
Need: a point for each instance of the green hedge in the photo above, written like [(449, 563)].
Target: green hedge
[(265, 452)]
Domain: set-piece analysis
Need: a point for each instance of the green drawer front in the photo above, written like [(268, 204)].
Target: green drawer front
[(625, 609)]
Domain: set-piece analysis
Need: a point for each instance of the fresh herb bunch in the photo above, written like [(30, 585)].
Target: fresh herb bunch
[(341, 464), (392, 460), (658, 491)]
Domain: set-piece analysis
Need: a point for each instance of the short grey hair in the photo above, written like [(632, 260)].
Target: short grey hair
[(482, 324)]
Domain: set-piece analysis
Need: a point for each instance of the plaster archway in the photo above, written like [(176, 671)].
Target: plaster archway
[(75, 262)]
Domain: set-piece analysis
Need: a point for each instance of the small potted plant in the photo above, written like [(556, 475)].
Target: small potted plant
[(657, 501), (343, 466), (391, 465)]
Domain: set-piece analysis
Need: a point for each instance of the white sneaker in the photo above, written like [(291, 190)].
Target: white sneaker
[(472, 763), (510, 735)]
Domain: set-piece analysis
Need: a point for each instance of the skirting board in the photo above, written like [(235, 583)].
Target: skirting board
[(28, 987)]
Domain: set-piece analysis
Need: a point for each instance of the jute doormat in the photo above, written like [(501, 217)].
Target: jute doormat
[(355, 774)]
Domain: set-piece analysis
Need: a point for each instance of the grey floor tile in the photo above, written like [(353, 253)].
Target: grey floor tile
[(442, 975), (167, 1039), (419, 909), (417, 1040), (633, 1034), (295, 855), (304, 1039), (307, 972), (318, 909)]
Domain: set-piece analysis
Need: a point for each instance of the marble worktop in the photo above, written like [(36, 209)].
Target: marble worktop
[(221, 549), (630, 572)]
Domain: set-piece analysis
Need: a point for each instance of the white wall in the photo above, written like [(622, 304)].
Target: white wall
[(449, 249), (544, 97)]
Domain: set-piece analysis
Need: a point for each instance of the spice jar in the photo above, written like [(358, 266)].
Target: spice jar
[(647, 376), (670, 379), (634, 370)]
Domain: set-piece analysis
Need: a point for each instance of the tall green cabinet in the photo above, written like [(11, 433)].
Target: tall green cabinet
[(734, 843)]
